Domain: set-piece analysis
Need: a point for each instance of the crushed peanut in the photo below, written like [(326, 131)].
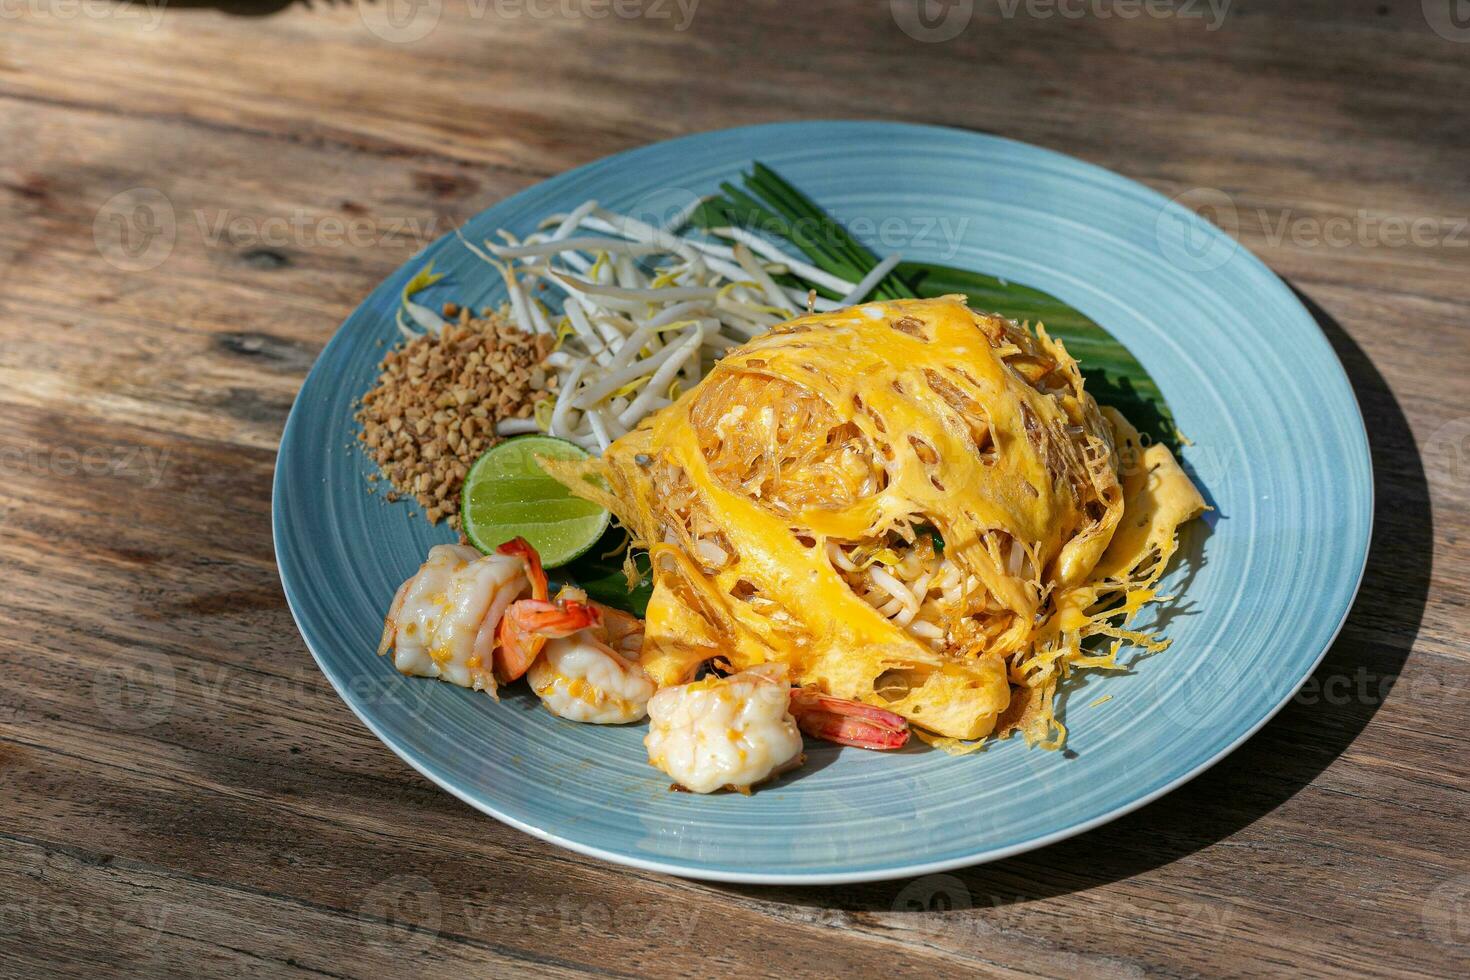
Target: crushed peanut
[(438, 398)]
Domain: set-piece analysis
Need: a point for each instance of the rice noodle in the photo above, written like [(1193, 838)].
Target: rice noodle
[(896, 589), (925, 629)]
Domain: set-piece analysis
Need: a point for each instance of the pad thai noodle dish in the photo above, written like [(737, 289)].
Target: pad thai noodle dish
[(864, 523)]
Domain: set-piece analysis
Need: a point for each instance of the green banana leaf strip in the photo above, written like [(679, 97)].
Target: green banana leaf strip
[(602, 577)]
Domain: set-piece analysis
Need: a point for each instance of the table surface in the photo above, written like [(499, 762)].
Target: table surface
[(181, 792)]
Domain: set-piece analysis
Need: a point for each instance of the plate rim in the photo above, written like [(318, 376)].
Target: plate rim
[(885, 873)]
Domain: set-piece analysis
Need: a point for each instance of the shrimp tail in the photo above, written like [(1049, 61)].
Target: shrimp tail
[(515, 650), (521, 548), (847, 722), (528, 623)]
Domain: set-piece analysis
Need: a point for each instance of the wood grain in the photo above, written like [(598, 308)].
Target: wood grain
[(183, 794)]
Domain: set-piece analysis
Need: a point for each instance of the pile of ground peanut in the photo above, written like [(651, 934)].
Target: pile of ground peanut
[(438, 397)]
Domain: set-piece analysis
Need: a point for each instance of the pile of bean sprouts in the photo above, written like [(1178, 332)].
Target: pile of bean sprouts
[(645, 311)]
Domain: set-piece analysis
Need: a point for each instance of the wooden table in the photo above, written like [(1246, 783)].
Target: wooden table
[(180, 790)]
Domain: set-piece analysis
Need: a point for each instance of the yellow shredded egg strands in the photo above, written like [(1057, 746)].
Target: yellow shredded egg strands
[(857, 427)]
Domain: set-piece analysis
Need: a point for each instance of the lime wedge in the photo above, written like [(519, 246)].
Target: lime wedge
[(507, 495)]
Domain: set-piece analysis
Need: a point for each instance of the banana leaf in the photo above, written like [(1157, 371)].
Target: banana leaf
[(600, 575)]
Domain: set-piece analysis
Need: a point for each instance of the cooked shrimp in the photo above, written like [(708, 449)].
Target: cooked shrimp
[(847, 722), (724, 732), (582, 678), (529, 623), (592, 677), (521, 548), (619, 630), (442, 621), (736, 731)]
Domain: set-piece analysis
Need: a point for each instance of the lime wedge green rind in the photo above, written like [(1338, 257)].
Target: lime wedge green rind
[(507, 495)]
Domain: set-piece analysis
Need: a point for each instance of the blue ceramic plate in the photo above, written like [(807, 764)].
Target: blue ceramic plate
[(1264, 582)]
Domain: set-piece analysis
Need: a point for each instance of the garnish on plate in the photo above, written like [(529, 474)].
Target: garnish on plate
[(440, 395), (507, 495), (786, 547)]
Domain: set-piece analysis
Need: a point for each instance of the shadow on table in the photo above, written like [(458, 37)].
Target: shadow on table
[(1287, 754), (250, 8), (391, 20), (265, 8)]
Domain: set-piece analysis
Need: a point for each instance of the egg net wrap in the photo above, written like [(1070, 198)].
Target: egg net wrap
[(910, 504)]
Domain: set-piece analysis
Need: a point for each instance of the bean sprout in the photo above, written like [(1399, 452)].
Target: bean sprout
[(624, 287), (766, 250), (516, 427), (866, 284), (562, 412)]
